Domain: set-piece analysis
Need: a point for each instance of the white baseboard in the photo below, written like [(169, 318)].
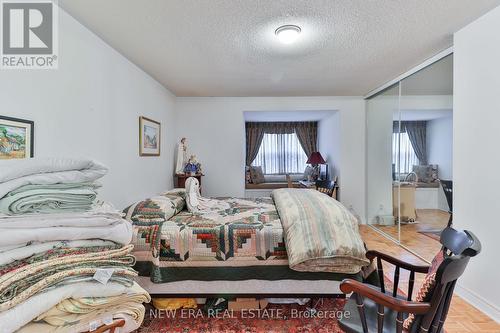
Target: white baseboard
[(479, 302)]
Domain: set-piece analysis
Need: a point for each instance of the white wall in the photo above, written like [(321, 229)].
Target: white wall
[(379, 126), (329, 143), (90, 107), (476, 156), (440, 145), (216, 134)]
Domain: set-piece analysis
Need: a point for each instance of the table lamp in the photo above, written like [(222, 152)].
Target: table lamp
[(315, 160)]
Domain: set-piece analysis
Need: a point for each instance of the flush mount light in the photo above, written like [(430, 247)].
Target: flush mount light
[(288, 34)]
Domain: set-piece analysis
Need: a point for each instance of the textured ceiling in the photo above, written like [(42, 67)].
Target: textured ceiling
[(260, 116), (228, 47)]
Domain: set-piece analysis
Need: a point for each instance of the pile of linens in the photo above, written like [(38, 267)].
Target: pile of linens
[(65, 258)]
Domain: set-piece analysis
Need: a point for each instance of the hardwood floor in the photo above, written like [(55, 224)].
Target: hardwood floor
[(412, 236), (463, 317)]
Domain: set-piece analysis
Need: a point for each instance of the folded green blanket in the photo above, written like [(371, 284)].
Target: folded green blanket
[(49, 199)]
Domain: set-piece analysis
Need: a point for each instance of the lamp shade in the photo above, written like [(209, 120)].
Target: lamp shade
[(316, 158)]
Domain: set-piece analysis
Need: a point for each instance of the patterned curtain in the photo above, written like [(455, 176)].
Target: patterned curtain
[(307, 133), (254, 136), (417, 132)]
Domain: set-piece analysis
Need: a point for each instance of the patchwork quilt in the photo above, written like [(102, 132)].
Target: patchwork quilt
[(244, 241), (248, 233)]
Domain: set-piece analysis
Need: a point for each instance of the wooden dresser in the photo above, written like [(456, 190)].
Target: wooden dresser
[(180, 179)]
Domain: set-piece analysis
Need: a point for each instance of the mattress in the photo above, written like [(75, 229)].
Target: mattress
[(246, 287)]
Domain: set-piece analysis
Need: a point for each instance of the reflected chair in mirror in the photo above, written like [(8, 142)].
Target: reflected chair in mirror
[(375, 309), (448, 192)]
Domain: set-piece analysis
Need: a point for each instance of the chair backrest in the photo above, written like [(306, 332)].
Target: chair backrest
[(448, 192), (326, 186), (458, 247)]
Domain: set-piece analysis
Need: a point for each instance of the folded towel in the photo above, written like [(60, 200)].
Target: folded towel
[(53, 198), (46, 171)]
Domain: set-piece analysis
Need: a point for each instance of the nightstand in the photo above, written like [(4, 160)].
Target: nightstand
[(180, 179)]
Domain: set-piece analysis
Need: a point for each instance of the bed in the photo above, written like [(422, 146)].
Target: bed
[(237, 250)]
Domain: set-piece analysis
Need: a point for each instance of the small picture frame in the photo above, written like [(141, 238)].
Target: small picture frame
[(16, 138), (149, 137)]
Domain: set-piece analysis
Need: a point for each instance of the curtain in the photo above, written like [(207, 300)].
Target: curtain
[(281, 154), (417, 133), (254, 136), (403, 155), (285, 156), (307, 133)]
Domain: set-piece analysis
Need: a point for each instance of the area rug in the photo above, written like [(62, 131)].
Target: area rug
[(275, 318)]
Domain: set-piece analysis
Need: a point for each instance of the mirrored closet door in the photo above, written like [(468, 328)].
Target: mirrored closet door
[(409, 143)]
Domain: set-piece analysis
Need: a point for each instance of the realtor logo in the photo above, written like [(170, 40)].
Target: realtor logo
[(29, 34)]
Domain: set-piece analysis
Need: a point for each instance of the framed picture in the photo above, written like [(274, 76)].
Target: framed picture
[(16, 138), (149, 137)]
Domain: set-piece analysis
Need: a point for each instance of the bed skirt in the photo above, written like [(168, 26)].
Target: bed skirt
[(228, 273), (245, 288)]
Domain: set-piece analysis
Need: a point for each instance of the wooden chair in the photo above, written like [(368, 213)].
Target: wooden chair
[(373, 309), (110, 328), (328, 187), (289, 181)]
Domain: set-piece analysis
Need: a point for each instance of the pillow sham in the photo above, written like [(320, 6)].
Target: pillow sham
[(248, 177), (257, 175), (426, 173), (158, 208)]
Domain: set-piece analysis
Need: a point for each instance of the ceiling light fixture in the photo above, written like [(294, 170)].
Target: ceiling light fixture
[(288, 34)]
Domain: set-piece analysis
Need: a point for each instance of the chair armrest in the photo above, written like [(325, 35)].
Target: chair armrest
[(416, 268), (396, 304), (110, 328)]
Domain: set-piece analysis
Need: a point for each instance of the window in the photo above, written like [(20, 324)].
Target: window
[(281, 154), (407, 156)]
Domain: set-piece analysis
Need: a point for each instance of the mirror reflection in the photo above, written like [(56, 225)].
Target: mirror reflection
[(410, 134)]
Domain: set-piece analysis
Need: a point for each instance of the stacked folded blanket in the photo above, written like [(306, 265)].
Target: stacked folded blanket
[(65, 259)]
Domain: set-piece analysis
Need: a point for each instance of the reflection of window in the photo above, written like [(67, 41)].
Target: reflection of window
[(281, 154), (407, 156)]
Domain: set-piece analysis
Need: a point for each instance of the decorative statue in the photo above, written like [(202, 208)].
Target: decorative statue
[(181, 157), (193, 166)]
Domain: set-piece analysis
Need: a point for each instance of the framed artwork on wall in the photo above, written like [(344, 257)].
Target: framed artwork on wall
[(149, 137), (16, 138)]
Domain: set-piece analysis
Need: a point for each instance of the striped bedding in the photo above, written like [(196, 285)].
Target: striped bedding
[(321, 234)]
